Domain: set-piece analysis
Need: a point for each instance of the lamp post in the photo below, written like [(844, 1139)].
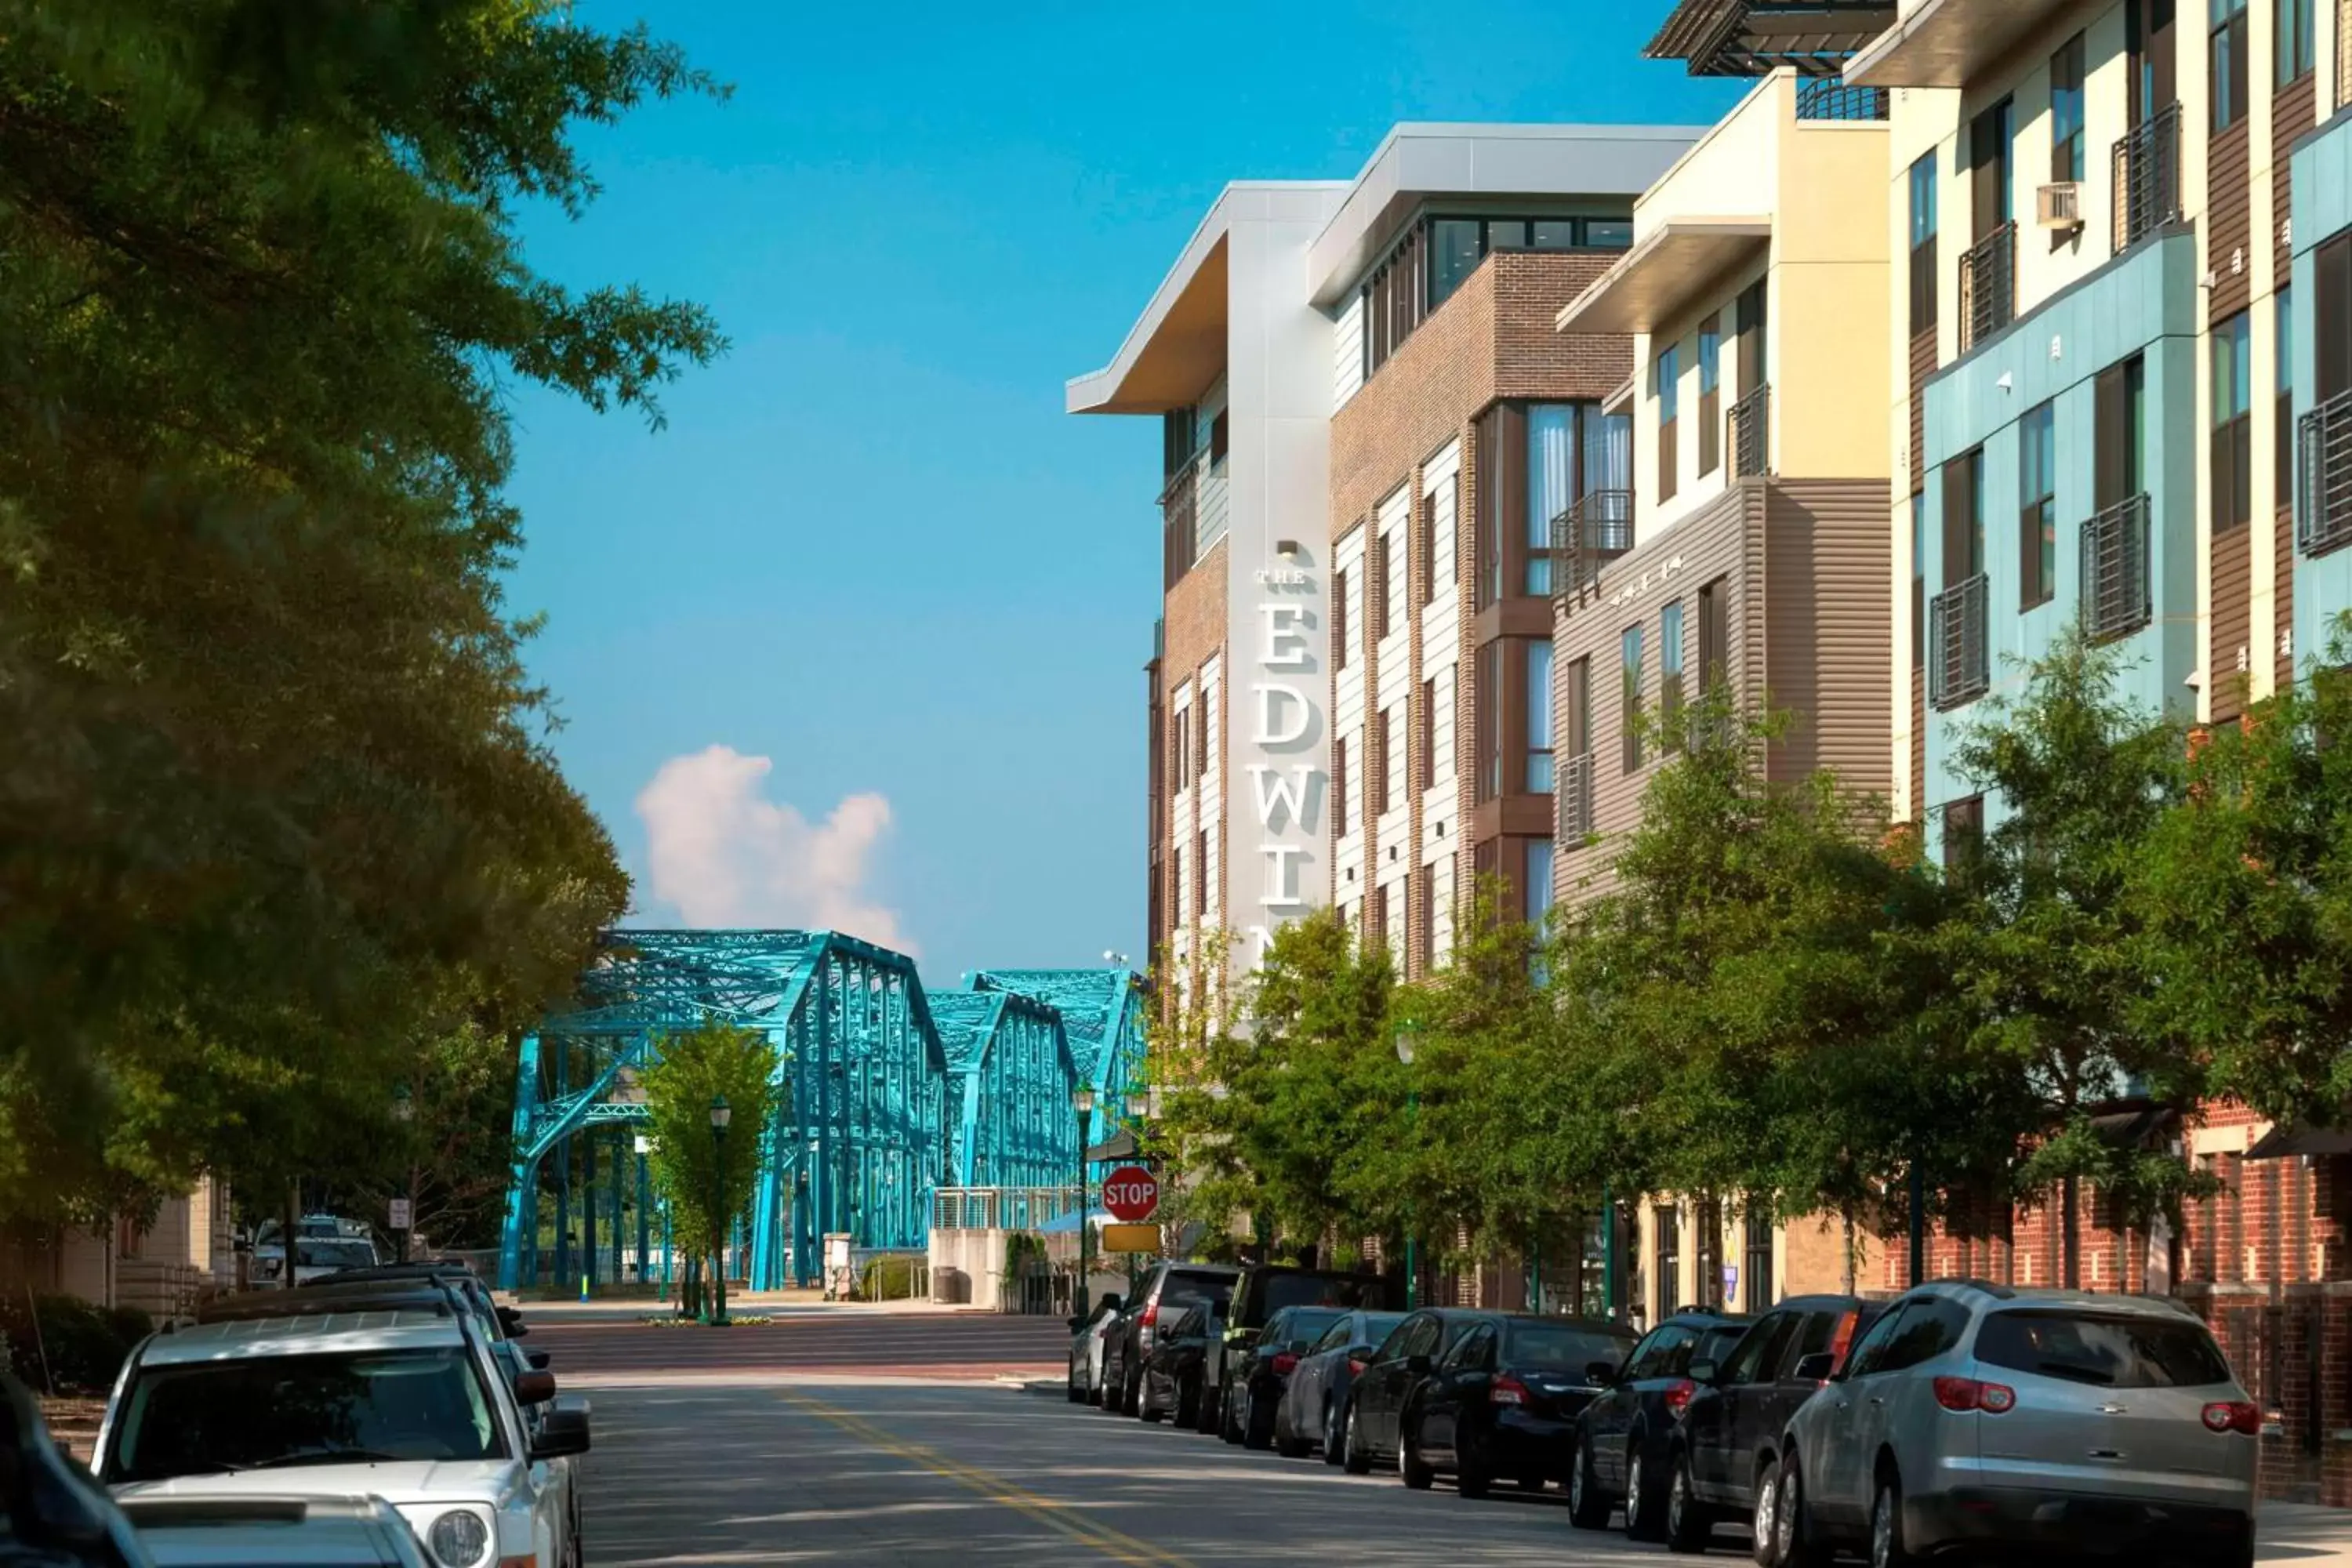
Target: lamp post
[(719, 1117), (1082, 1100), (404, 1111), (1407, 1042), (645, 1146)]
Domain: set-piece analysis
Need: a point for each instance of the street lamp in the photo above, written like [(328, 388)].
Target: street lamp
[(1408, 1037), (1082, 1100), (404, 1111), (719, 1117)]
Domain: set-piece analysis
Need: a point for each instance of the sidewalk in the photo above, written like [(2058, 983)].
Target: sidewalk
[(2297, 1532), (757, 1303)]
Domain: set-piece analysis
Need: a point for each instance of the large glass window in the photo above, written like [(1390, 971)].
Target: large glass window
[(1538, 887), (2297, 43), (2066, 160), (1710, 398), (1670, 666), (2227, 59), (1630, 706), (2037, 507), (1456, 244), (1539, 772), (2232, 437), (2282, 425), (1670, 396), (1923, 243), (1608, 461), (1551, 475)]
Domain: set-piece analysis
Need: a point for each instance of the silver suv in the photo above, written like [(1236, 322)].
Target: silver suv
[(1975, 1413)]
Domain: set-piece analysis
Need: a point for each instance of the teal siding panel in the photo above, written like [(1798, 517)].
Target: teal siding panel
[(2321, 208)]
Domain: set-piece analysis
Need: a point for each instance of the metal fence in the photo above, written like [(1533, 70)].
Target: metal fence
[(1001, 1208), (1589, 535), (1988, 285), (1575, 799), (2147, 178), (1751, 433), (2115, 596), (1959, 666), (1833, 97), (2322, 505)]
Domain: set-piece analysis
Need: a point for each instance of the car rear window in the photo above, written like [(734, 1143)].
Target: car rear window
[(1557, 1347), (1336, 1292), (1306, 1326), (1179, 1290), (2108, 1351)]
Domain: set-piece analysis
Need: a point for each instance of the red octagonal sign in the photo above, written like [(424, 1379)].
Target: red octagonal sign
[(1130, 1193)]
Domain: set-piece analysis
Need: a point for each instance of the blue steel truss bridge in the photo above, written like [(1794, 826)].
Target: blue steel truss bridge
[(885, 1093)]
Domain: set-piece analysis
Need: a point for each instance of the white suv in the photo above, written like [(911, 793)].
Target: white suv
[(407, 1405)]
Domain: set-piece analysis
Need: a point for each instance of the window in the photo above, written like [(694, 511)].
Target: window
[(1669, 373), (1424, 547), (1670, 667), (1608, 233), (1180, 750), (1474, 1352), (2283, 426), (1217, 439), (2227, 60), (2296, 41), (1863, 1359), (1918, 579), (1387, 547), (1426, 947), (2331, 345), (1201, 735), (1489, 713), (1538, 891), (1667, 1223), (1540, 775), (1715, 634), (1760, 1353), (1923, 245), (1576, 692), (1380, 742), (2037, 516), (1963, 517), (1454, 248), (1428, 769), (1551, 477), (1201, 877), (1710, 399), (2232, 490), (1667, 1350), (2066, 160), (2103, 1351), (1757, 1275), (1828, 1331), (1339, 618), (1340, 786), (1963, 832), (2118, 434), (1930, 1326), (1630, 647)]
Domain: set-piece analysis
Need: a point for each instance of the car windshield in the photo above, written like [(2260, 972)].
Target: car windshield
[(1559, 1347), (1304, 1327), (264, 1412), (325, 1252), (1379, 1326), (1718, 1344), (1313, 1290), (2109, 1351)]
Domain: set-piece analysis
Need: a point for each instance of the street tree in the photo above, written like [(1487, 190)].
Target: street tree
[(706, 1174)]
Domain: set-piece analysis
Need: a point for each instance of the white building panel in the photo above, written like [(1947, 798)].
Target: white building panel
[(1347, 353), (1209, 808), (1441, 943), (1395, 893), (1440, 483), (1442, 720), (1394, 650)]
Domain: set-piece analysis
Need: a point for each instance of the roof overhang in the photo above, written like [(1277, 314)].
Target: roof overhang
[(1664, 272), (1178, 346), (2283, 1141), (1947, 43), (1751, 38)]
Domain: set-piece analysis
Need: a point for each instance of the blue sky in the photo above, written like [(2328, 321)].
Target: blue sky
[(870, 548)]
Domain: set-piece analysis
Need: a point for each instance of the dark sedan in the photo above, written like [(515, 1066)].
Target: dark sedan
[(1504, 1401), (1624, 1438), (1369, 1428), (1316, 1397), (1174, 1368), (1260, 1373)]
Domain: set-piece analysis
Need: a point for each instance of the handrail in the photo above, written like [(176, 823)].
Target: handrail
[(2116, 588), (2148, 177), (1959, 669), (2322, 502), (1586, 536), (1751, 447), (1988, 285), (1575, 799)]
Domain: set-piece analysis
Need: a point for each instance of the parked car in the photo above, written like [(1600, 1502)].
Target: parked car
[(1173, 1369), (1316, 1398), (1087, 1336), (1169, 1288), (1265, 1289), (197, 1531), (1260, 1367), (1624, 1438), (1413, 1349), (1976, 1414), (499, 1323), (1730, 1436), (315, 1257), (1504, 1401), (52, 1514), (408, 1404)]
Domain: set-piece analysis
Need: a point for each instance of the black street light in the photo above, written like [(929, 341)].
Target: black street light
[(1408, 1036), (1082, 1099), (404, 1111), (719, 1117)]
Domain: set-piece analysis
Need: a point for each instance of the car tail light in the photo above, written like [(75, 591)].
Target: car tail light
[(1843, 1338), (1967, 1393), (1143, 1325), (1678, 1396), (2234, 1415), (1284, 1360), (1355, 1366), (1509, 1390)]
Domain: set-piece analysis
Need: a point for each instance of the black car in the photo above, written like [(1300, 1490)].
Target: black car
[(1730, 1431), (1624, 1438), (1172, 1371), (1368, 1429), (1259, 1368), (1165, 1293), (1314, 1399), (52, 1513), (1265, 1289), (1504, 1401)]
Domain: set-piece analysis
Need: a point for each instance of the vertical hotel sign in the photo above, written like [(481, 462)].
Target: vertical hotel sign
[(1286, 730)]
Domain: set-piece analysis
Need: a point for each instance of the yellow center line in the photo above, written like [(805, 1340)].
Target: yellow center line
[(1045, 1510)]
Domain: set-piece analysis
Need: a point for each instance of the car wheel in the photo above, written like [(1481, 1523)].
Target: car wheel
[(1764, 1517), (1257, 1422), (1886, 1548), (1645, 1504), (1410, 1469), (1334, 1445), (1795, 1543), (1352, 1456), (1131, 1399), (1588, 1505), (1145, 1408), (1688, 1525), (1286, 1440), (1211, 1416)]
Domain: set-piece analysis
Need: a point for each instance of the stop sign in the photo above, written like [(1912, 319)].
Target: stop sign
[(1130, 1193)]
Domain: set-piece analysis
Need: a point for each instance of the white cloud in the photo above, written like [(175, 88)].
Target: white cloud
[(724, 854)]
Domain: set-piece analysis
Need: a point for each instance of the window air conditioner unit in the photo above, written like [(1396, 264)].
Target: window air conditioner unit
[(2059, 206)]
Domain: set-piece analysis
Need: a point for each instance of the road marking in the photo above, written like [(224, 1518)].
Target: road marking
[(1045, 1510)]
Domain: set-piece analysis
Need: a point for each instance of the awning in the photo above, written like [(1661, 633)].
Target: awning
[(1664, 273), (1947, 43), (1750, 37), (1119, 1145), (2283, 1141)]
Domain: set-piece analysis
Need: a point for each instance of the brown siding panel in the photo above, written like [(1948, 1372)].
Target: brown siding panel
[(2234, 589), (1918, 744), (1923, 365), (2283, 597), (2228, 221), (2291, 116)]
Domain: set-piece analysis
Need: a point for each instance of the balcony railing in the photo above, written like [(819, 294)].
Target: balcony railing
[(2116, 600), (1177, 504), (1829, 98), (1988, 285), (2323, 504), (1575, 799), (1751, 433), (2147, 178), (1958, 668), (1588, 536)]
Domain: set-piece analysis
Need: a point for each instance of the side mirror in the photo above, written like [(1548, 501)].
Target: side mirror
[(1111, 1303), (1816, 1368), (1418, 1365), (510, 1322), (562, 1432), (536, 1359), (1703, 1372), (534, 1387), (1600, 1374)]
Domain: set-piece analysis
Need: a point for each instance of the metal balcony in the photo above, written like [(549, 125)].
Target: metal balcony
[(1751, 431), (2322, 502), (2116, 599), (1575, 799), (1178, 502), (2147, 178), (1588, 536), (1958, 668), (1988, 285), (1832, 98)]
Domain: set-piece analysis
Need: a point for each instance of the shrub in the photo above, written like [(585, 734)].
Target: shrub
[(84, 1346), (889, 1279)]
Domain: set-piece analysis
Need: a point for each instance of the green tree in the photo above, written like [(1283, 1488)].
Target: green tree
[(278, 800), (709, 1178)]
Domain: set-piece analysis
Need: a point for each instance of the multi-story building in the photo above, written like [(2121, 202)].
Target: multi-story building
[(1461, 423)]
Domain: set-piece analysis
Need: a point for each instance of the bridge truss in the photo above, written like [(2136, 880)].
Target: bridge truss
[(1102, 1018)]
